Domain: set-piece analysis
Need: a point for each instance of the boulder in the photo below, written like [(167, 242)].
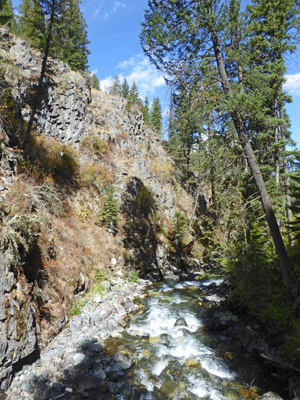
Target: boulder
[(271, 396), (180, 322)]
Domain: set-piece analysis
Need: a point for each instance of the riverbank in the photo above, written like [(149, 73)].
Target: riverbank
[(74, 364)]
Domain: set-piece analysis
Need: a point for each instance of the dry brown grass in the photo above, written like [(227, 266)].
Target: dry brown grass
[(164, 170)]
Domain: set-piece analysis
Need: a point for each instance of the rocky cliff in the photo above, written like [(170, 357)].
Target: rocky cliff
[(58, 238)]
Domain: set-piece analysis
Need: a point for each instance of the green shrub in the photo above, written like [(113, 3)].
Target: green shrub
[(179, 225), (94, 174), (94, 144), (291, 348), (109, 214)]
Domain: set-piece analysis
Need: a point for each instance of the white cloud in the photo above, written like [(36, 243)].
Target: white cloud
[(105, 83), (106, 8), (139, 69), (145, 75), (117, 5), (292, 84)]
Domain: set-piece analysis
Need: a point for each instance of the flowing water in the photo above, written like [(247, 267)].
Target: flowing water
[(184, 362)]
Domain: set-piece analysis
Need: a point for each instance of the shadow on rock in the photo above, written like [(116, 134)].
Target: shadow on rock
[(89, 372)]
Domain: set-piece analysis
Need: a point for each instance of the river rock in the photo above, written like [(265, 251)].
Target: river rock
[(106, 285), (88, 382), (270, 396), (192, 363), (180, 322), (168, 387), (153, 340), (228, 356)]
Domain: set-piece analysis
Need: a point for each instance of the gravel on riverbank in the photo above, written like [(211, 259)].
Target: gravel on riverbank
[(74, 365)]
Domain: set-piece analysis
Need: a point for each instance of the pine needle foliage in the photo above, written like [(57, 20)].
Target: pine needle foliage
[(109, 213)]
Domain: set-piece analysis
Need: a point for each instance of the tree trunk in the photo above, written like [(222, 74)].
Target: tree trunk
[(170, 112), (37, 98), (195, 207), (288, 198), (276, 151), (240, 128)]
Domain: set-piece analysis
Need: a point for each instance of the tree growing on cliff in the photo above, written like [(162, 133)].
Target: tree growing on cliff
[(6, 11), (31, 24), (125, 89), (69, 36), (74, 37), (115, 87), (156, 115), (146, 111), (51, 10), (185, 39), (95, 81), (133, 96)]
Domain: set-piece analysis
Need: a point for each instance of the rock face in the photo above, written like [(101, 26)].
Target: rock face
[(70, 110), (17, 327), (64, 100)]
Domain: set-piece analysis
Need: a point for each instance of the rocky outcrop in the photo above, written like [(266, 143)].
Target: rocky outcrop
[(70, 110), (65, 97), (17, 327)]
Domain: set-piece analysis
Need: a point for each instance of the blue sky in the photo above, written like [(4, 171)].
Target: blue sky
[(113, 29)]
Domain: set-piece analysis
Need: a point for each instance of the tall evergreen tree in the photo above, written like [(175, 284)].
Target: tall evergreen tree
[(68, 33), (125, 89), (133, 95), (6, 11), (197, 52), (146, 111), (115, 88), (32, 25), (74, 37), (156, 115), (51, 11), (271, 27)]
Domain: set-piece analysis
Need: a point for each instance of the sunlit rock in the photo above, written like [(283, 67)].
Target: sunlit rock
[(192, 363), (168, 387), (180, 322)]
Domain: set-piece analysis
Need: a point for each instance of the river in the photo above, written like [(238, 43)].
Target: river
[(175, 357)]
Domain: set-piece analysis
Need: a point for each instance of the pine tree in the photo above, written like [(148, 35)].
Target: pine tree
[(115, 88), (51, 10), (156, 115), (133, 95), (94, 81), (108, 215), (200, 51), (125, 89), (146, 111), (68, 30), (32, 26), (6, 12), (74, 37), (271, 36)]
